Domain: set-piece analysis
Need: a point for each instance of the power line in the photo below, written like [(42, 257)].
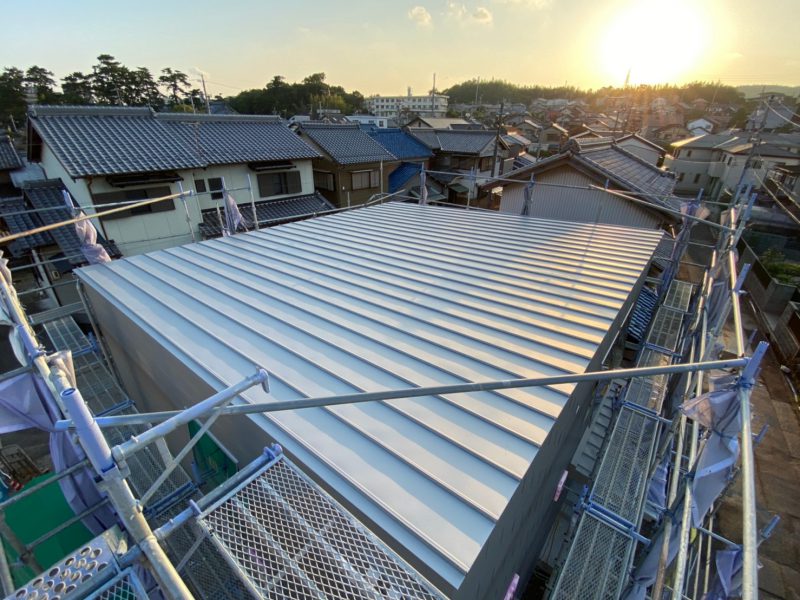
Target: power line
[(784, 118)]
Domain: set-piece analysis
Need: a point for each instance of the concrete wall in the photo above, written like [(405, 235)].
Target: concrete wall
[(576, 203)]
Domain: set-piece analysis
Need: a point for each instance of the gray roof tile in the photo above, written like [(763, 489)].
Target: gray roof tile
[(18, 219), (455, 141), (270, 212), (47, 197), (9, 159), (346, 144), (112, 140)]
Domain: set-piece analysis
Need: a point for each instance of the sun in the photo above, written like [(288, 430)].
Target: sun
[(660, 42)]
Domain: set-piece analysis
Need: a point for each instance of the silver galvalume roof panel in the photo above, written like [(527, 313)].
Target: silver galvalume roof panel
[(387, 297)]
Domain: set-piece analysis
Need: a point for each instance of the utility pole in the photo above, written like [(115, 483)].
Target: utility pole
[(205, 93), (477, 85), (497, 139), (433, 97), (748, 163)]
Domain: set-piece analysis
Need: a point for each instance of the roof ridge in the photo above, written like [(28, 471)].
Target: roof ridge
[(46, 110)]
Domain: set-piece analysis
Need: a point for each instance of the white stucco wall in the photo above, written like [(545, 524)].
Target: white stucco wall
[(144, 233)]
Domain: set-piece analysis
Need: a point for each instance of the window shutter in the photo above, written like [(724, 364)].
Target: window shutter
[(374, 179)]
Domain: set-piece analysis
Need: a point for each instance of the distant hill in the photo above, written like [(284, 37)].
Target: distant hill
[(753, 91)]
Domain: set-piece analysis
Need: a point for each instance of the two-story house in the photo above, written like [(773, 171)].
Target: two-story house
[(717, 163), (462, 160), (351, 167), (105, 156)]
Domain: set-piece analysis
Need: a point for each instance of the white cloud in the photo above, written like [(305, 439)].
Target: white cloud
[(482, 15), (420, 16), (458, 11)]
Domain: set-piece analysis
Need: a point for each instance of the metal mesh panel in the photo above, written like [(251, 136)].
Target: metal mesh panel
[(595, 568), (290, 540), (622, 477), (666, 328), (678, 295), (125, 586)]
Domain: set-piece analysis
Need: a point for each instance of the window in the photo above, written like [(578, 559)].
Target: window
[(688, 154), (362, 180), (696, 178), (213, 185), (730, 160), (278, 184), (323, 180), (485, 164), (131, 195), (757, 164), (680, 176)]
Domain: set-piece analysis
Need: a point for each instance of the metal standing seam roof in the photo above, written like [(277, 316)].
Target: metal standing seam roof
[(9, 159), (385, 297), (346, 144), (112, 140)]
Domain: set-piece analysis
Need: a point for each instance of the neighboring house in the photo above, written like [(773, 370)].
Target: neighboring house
[(462, 160), (668, 134), (700, 126), (408, 149), (441, 123), (107, 155), (552, 137), (715, 163), (561, 188), (776, 115), (691, 159), (530, 129), (380, 122), (352, 167), (430, 105)]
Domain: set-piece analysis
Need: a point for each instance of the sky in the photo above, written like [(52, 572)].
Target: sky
[(381, 47)]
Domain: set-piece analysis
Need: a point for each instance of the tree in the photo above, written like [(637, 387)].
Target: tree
[(76, 88), (12, 96), (43, 84), (141, 90), (108, 80), (176, 83)]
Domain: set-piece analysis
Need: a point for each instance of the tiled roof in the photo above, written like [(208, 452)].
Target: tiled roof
[(346, 144), (48, 194), (112, 140), (9, 159), (270, 212), (403, 145), (458, 141), (706, 141), (16, 214), (400, 176), (632, 172)]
